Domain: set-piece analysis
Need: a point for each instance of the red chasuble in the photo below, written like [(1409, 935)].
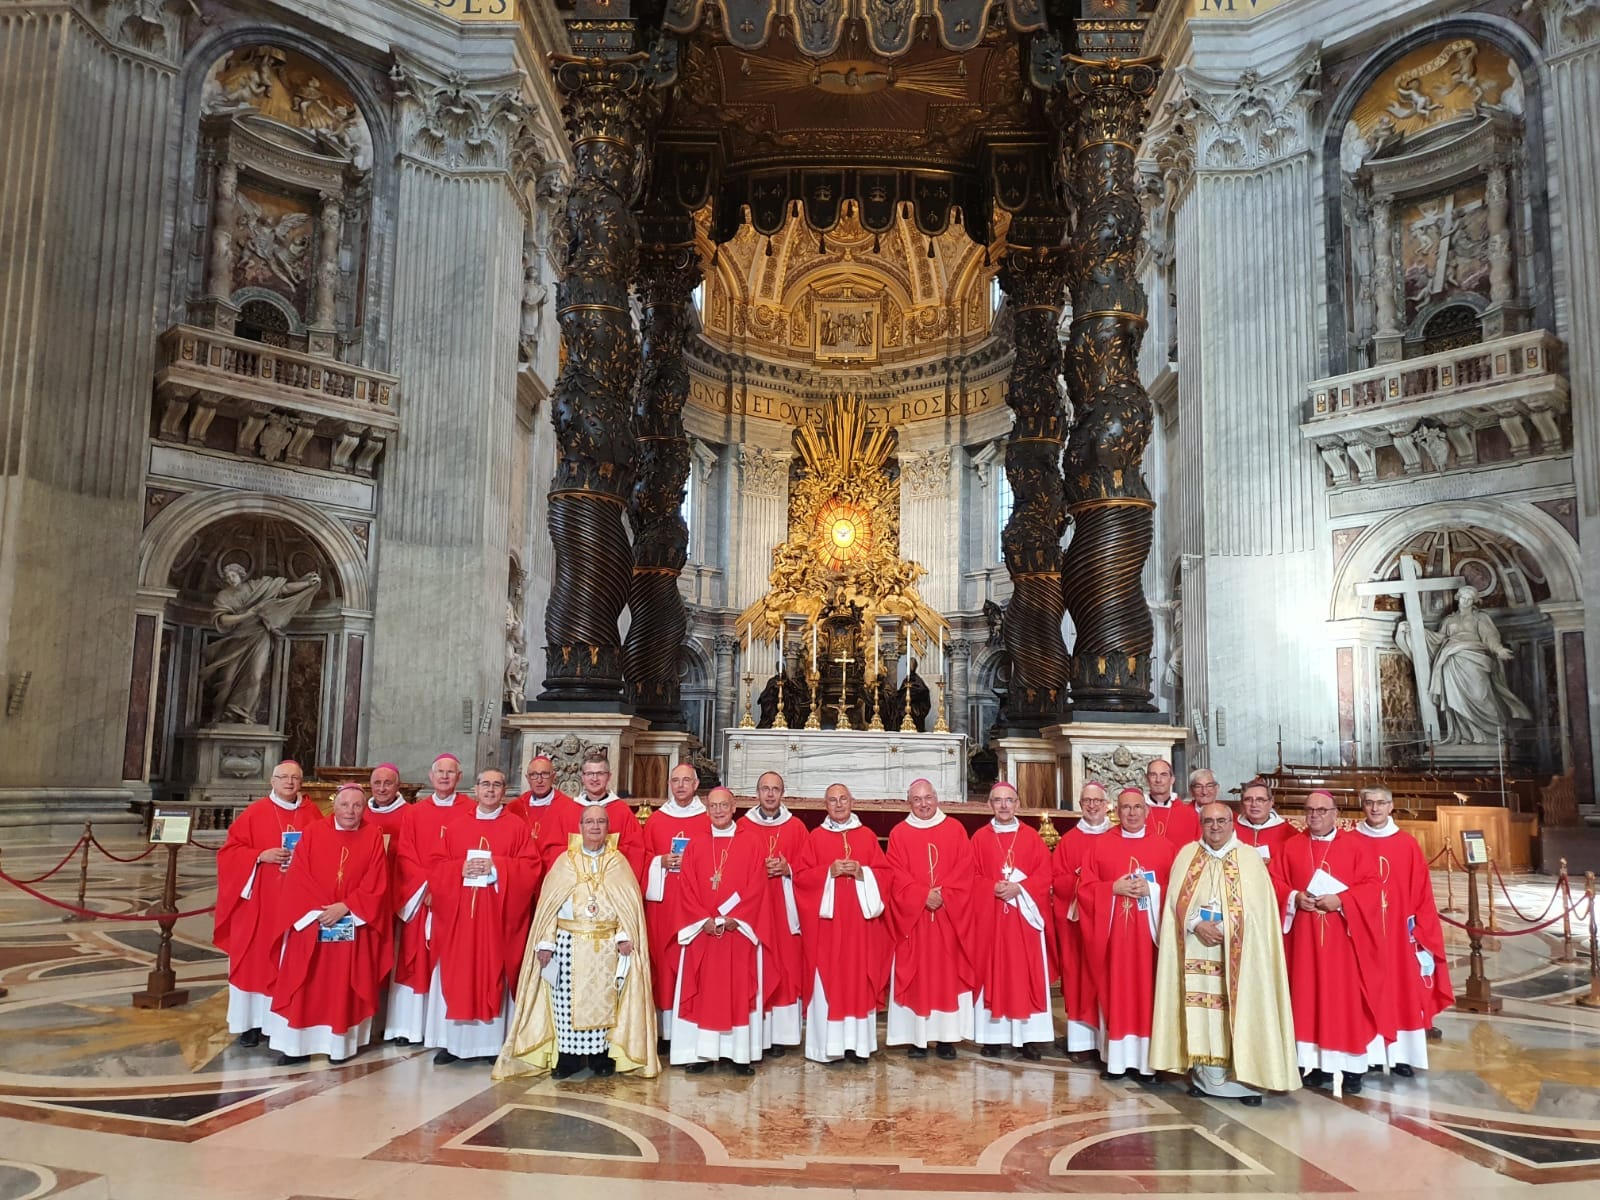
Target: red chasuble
[(422, 831), (1011, 969), (931, 965), (720, 877), (1337, 963), (1405, 891), (1177, 822), (661, 917), (849, 953), (335, 983), (1118, 935), (1077, 984), (787, 968), (249, 931), (1274, 836), (562, 822), (537, 815), (387, 823), (482, 932)]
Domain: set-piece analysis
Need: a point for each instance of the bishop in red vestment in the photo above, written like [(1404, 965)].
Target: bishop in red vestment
[(414, 1000), (483, 888), (540, 801), (1011, 931), (1119, 902), (671, 829), (783, 839), (723, 969), (1419, 978), (839, 884), (1259, 824), (338, 936), (1169, 815), (386, 809), (930, 913), (250, 872), (620, 819), (1327, 883), (1077, 984)]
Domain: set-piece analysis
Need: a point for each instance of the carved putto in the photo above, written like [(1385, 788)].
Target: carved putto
[(278, 87)]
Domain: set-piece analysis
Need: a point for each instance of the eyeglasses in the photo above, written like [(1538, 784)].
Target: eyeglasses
[(1216, 820), (492, 784), (1309, 811)]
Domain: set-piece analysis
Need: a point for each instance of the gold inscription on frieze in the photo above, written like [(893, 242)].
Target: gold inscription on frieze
[(472, 10)]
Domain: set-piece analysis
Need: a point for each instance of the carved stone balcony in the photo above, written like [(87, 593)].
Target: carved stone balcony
[(275, 404), (1494, 401)]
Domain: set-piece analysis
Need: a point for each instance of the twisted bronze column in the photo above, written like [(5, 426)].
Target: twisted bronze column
[(592, 404), (668, 273), (1034, 280), (1112, 512)]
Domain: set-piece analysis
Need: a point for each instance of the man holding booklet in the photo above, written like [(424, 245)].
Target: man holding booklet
[(1327, 885)]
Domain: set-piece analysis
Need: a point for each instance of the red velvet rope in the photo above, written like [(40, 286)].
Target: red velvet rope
[(103, 916), (118, 858), (1512, 904), (66, 858)]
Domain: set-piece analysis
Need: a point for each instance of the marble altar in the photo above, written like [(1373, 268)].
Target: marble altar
[(876, 765)]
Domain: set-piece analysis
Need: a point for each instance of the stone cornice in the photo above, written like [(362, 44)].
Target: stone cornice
[(1570, 25), (1252, 121)]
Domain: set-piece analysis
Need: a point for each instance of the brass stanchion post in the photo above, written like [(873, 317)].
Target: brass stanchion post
[(1477, 997), (1592, 1000), (1449, 882), (83, 872), (161, 990), (1564, 886), (1488, 889)]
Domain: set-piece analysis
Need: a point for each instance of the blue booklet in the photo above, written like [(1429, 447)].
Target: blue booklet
[(1207, 913), (342, 930), (1150, 878), (680, 843), (291, 839)]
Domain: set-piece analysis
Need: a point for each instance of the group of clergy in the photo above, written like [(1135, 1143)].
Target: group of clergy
[(555, 934)]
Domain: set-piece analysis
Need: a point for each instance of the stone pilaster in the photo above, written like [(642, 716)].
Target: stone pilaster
[(958, 654), (668, 273), (763, 520), (724, 645), (1572, 40), (87, 93), (1034, 279), (1256, 558), (592, 404), (1113, 515), (926, 518), (439, 645)]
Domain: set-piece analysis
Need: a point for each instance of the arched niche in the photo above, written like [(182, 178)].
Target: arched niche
[(1524, 565), (316, 677)]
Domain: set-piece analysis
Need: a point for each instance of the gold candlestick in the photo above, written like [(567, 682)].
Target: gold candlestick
[(905, 713), (749, 721), (780, 721), (941, 725)]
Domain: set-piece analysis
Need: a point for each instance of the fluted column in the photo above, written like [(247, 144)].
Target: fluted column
[(1256, 568), (1113, 515), (87, 107), (592, 404), (1572, 41), (668, 273), (724, 644), (958, 654), (1034, 277), (762, 521)]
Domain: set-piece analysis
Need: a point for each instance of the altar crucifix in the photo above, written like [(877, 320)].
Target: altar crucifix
[(844, 691), (1410, 587)]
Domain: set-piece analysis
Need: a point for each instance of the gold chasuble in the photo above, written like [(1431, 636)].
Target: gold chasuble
[(605, 900), (1224, 1006)]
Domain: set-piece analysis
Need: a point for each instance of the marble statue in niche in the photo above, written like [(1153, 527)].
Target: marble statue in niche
[(1467, 681), (516, 669), (251, 615)]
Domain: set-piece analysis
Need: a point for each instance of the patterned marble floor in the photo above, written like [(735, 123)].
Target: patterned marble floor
[(99, 1099)]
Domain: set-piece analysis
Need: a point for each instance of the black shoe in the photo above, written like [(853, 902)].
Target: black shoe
[(1197, 1092), (1352, 1083), (602, 1065), (1403, 1070), (444, 1058), (400, 1041), (743, 1068), (776, 1051), (1031, 1053), (990, 1050), (1112, 1075), (250, 1039), (1435, 1034), (697, 1068), (916, 1052), (1316, 1079), (946, 1050), (663, 1045), (852, 1056), (567, 1065), (1250, 1101), (293, 1060)]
